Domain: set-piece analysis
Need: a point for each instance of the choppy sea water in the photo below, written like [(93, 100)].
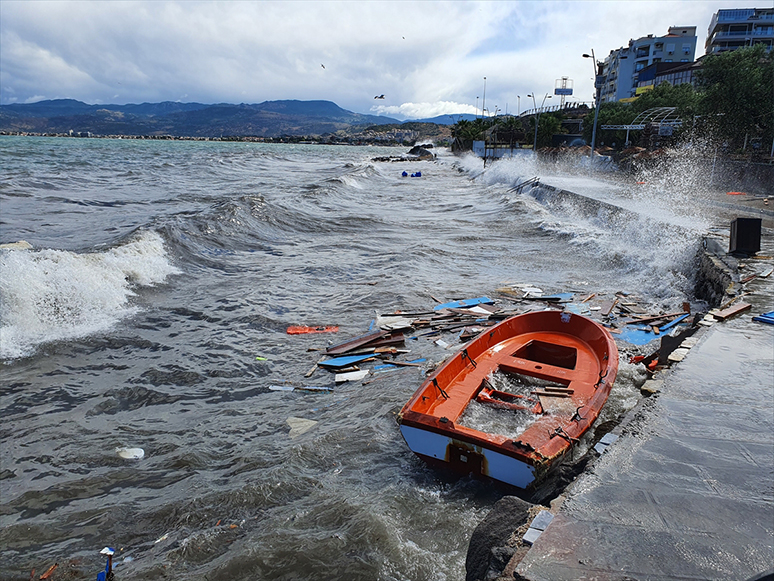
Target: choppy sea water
[(151, 313)]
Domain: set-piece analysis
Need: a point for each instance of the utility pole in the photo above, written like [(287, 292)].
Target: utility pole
[(483, 105)]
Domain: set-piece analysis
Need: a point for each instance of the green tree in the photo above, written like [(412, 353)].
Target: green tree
[(466, 132), (548, 125), (737, 100)]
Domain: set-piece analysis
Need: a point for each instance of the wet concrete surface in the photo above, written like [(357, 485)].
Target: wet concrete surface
[(687, 491)]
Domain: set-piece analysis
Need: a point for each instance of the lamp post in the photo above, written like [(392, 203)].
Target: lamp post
[(597, 74), (537, 116), (518, 105), (483, 105), (476, 106)]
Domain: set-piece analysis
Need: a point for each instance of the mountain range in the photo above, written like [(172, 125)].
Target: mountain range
[(267, 119)]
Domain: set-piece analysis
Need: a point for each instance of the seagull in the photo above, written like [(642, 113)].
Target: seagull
[(322, 65), (379, 97)]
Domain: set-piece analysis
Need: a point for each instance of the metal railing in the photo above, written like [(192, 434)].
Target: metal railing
[(552, 108)]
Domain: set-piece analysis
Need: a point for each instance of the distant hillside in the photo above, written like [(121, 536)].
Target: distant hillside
[(444, 119), (267, 119)]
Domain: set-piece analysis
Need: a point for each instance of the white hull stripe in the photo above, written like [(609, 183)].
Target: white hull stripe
[(500, 467)]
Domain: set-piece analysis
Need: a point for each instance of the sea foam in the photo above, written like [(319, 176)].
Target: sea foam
[(55, 295)]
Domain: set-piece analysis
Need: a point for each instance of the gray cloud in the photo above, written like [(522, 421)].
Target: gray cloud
[(423, 56)]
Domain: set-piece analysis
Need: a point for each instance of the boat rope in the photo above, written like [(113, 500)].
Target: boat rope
[(465, 354), (601, 379), (577, 417), (443, 393), (562, 434)]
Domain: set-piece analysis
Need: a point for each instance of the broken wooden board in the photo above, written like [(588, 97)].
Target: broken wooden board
[(545, 393), (608, 306), (354, 343), (301, 330), (556, 298), (464, 303), (732, 311), (652, 318)]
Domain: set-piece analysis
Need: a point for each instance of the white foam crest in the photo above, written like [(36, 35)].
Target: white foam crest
[(54, 295), (350, 181)]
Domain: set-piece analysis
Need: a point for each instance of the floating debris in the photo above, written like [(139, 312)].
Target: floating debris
[(299, 426), (301, 330), (131, 453)]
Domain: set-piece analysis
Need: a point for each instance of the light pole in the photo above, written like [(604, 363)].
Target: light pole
[(476, 106), (518, 105), (597, 74), (483, 105), (537, 116)]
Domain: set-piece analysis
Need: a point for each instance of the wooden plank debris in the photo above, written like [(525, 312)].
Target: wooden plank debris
[(354, 343), (732, 311), (544, 393), (607, 306), (653, 318)]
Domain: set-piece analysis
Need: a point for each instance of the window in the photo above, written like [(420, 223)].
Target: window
[(670, 49), (686, 48)]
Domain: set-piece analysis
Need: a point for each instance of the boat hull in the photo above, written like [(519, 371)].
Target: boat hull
[(574, 355)]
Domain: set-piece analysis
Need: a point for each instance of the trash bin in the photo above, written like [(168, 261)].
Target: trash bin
[(745, 236)]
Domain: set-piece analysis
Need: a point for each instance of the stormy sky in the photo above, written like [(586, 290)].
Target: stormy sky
[(426, 58)]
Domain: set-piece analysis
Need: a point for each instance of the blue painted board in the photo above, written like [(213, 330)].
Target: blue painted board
[(465, 303), (338, 362), (675, 322), (765, 318), (642, 335)]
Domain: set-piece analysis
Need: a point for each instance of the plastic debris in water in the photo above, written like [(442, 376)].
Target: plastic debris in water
[(299, 426), (107, 574), (131, 453)]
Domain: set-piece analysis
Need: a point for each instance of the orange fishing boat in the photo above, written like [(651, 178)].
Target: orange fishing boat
[(514, 400)]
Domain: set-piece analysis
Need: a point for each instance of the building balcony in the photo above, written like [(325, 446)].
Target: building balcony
[(742, 33)]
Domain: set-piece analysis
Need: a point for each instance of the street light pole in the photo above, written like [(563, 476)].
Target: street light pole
[(537, 116), (518, 106), (597, 74), (483, 105)]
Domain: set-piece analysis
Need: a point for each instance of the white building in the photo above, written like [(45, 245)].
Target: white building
[(622, 66), (737, 28)]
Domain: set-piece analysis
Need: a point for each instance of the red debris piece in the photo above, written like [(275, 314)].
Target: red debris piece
[(300, 330)]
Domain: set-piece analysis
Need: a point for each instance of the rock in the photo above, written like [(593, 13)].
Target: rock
[(421, 152), (487, 551)]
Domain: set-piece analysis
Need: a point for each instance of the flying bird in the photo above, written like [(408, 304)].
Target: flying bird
[(379, 97), (322, 65)]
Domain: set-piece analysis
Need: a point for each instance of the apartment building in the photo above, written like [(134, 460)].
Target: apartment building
[(736, 28), (621, 68)]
